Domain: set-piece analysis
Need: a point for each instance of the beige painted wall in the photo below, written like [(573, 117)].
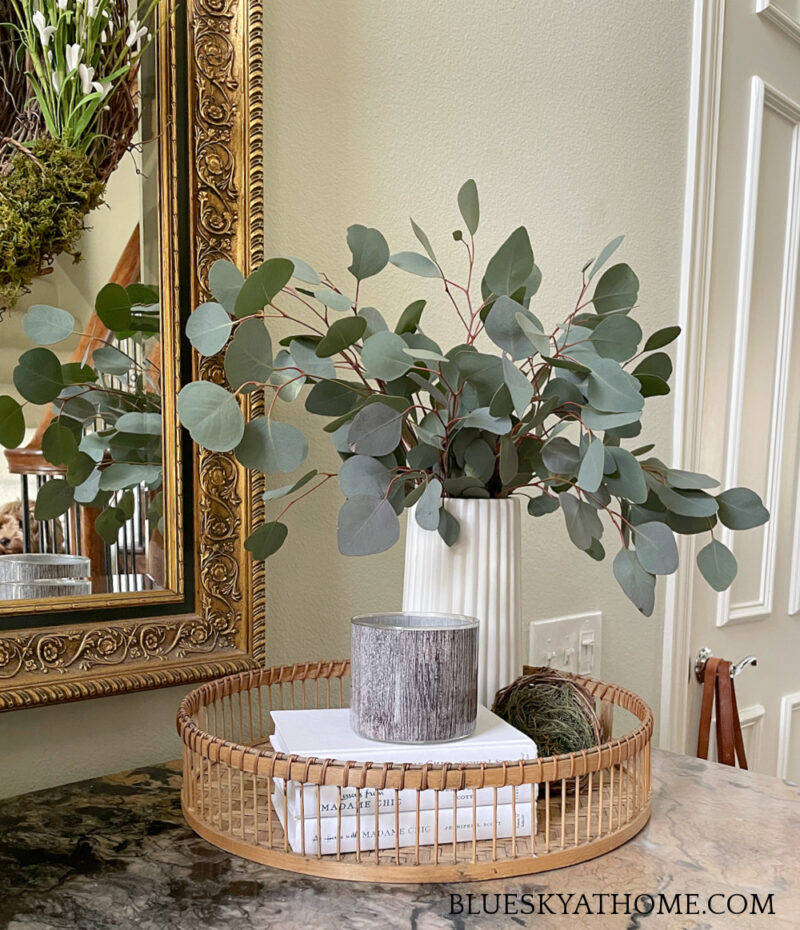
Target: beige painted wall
[(572, 117)]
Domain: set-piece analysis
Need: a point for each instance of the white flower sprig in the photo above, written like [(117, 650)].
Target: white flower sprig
[(80, 51)]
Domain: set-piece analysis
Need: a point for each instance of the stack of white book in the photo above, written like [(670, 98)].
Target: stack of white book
[(327, 734)]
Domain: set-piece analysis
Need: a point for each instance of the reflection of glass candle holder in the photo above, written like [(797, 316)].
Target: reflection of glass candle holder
[(44, 587), (36, 566), (414, 677)]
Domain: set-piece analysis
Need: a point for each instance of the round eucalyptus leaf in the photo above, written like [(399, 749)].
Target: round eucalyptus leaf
[(414, 263), (560, 456), (612, 390), (12, 422), (616, 291), (303, 271), (37, 376), (307, 360), (110, 361), (410, 317), (616, 336), (333, 299), (583, 524), (367, 525), (113, 306), (120, 475), (638, 584), (505, 330), (145, 424), (717, 564), (541, 505), (209, 328), (652, 386), (266, 540), (426, 513), (109, 523), (662, 337), (88, 490), (685, 503), (53, 499), (519, 387), (269, 446), (47, 325), (424, 241), (659, 364), (590, 473), (449, 527), (75, 373), (375, 430), (334, 398), (362, 475), (628, 478), (284, 373), (511, 266), (262, 286), (94, 445), (341, 335), (741, 509), (79, 468), (604, 255), (469, 206), (212, 415), (59, 444), (655, 548), (374, 320), (369, 250), (686, 480), (481, 418), (384, 356), (224, 281), (276, 493), (249, 356)]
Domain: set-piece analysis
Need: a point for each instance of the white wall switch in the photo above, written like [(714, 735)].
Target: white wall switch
[(571, 644)]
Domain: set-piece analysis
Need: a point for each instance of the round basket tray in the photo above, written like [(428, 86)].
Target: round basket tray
[(554, 811)]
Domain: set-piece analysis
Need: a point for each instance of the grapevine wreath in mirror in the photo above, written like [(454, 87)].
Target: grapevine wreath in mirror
[(68, 115)]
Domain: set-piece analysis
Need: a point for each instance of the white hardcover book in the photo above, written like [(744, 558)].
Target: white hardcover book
[(387, 799), (326, 734), (400, 828)]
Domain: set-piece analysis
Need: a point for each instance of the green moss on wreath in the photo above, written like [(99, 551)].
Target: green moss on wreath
[(44, 199)]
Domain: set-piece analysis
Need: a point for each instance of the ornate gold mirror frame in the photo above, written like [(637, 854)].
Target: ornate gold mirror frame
[(211, 53)]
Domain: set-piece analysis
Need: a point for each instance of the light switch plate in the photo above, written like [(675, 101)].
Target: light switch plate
[(571, 644)]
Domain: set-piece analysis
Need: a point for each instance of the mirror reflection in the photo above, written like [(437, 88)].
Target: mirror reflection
[(81, 499)]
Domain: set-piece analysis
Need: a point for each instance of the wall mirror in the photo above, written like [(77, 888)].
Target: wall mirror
[(121, 566)]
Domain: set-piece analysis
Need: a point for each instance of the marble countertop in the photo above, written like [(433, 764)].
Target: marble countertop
[(116, 852)]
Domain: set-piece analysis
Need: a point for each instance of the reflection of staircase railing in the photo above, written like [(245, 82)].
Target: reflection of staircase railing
[(77, 534)]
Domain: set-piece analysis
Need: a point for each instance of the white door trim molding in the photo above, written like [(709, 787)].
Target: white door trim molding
[(770, 10), (762, 97), (789, 705), (708, 24)]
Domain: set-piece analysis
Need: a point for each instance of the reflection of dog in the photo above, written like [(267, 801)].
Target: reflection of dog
[(11, 530)]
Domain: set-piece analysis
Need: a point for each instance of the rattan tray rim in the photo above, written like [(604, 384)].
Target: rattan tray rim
[(444, 775)]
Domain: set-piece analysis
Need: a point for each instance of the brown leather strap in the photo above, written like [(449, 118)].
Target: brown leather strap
[(737, 731), (725, 740), (707, 707), (718, 687)]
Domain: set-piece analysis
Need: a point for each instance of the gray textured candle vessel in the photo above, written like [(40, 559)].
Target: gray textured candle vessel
[(33, 566), (414, 677)]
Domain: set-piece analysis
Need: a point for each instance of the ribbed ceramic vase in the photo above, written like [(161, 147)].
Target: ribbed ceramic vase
[(479, 576)]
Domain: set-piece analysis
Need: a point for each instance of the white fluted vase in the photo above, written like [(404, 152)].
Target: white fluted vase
[(479, 576)]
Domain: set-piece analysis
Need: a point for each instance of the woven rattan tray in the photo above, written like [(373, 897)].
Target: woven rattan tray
[(586, 804)]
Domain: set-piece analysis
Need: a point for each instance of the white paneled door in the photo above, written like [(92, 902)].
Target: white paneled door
[(739, 413)]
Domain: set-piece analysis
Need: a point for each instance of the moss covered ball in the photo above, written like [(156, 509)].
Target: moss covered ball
[(45, 194)]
